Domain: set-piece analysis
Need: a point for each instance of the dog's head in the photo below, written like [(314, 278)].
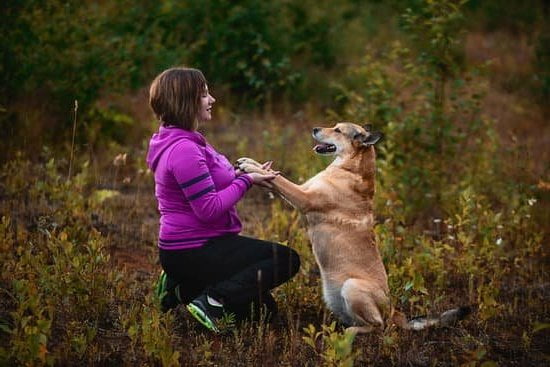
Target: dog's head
[(344, 138)]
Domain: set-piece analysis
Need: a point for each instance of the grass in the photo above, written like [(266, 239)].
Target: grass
[(79, 267)]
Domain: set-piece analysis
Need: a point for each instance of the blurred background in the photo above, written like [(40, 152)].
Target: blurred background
[(280, 57)]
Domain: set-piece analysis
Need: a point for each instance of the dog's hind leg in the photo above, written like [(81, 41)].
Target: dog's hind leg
[(365, 303)]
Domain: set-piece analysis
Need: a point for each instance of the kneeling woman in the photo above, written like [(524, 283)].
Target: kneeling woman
[(207, 264)]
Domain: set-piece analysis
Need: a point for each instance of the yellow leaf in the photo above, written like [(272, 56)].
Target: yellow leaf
[(99, 196)]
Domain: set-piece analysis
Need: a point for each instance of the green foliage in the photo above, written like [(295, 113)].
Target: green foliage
[(61, 51), (427, 107), (437, 27), (63, 48), (62, 288), (103, 125), (240, 44), (336, 348), (156, 339), (56, 272)]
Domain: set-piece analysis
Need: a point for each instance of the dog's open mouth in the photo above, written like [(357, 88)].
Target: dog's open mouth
[(324, 148)]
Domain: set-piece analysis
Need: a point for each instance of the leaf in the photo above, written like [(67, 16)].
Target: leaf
[(538, 326), (5, 328), (63, 236), (99, 196)]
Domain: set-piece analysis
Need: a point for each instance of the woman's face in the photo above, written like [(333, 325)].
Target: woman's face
[(205, 112)]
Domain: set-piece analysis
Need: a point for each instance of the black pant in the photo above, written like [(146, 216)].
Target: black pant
[(237, 270)]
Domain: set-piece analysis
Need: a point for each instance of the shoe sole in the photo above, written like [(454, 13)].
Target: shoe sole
[(202, 318)]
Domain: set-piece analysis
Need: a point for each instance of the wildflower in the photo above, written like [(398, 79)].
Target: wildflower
[(531, 201), (499, 241), (120, 159)]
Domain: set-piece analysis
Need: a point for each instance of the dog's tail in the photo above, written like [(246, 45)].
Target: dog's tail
[(447, 318)]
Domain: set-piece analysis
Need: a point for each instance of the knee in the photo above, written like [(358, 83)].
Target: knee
[(293, 262), (286, 261)]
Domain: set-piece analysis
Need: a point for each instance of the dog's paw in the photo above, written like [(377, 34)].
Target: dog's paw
[(249, 165), (251, 168), (249, 161)]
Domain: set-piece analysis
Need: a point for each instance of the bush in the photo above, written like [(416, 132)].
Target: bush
[(428, 107), (79, 50)]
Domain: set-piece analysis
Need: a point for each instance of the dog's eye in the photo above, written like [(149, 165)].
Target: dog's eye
[(337, 130)]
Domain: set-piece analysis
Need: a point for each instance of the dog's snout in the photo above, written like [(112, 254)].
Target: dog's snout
[(316, 130)]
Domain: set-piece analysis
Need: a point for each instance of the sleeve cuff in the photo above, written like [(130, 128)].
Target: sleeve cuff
[(246, 179)]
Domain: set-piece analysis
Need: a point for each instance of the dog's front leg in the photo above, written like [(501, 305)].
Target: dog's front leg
[(296, 195)]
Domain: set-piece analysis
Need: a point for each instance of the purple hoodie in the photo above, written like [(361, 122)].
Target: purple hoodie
[(196, 189)]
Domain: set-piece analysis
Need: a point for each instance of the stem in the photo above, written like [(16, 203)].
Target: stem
[(72, 142), (440, 107)]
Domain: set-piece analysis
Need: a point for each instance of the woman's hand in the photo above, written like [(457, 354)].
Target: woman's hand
[(265, 168), (266, 176), (261, 174), (262, 179)]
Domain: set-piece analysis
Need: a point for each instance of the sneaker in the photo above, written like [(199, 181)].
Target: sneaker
[(206, 312), (162, 286), (169, 297)]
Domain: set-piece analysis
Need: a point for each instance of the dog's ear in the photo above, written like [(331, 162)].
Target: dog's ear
[(367, 127), (372, 138)]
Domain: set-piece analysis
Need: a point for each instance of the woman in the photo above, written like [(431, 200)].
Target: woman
[(206, 263)]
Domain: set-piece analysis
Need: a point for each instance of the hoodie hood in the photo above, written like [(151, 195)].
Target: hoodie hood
[(166, 138)]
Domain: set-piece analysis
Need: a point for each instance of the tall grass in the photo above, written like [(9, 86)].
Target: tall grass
[(66, 303)]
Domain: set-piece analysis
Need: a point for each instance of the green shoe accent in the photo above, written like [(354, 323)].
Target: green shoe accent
[(202, 317), (161, 286)]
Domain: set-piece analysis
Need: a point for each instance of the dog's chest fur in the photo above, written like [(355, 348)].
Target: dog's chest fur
[(340, 225), (339, 192)]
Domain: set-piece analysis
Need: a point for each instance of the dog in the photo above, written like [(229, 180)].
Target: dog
[(338, 205)]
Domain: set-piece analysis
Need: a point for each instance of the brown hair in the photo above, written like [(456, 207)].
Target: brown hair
[(175, 97)]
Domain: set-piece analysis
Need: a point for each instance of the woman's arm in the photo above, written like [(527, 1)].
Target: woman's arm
[(188, 164)]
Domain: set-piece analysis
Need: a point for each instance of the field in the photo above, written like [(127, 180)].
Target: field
[(462, 200)]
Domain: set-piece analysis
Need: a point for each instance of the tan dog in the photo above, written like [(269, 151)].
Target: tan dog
[(338, 205)]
